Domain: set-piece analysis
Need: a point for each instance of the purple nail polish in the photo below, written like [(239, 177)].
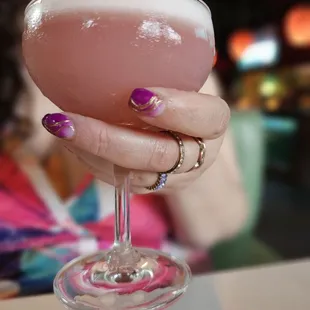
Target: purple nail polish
[(144, 101), (59, 125)]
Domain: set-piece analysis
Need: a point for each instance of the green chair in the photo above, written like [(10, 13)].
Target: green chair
[(245, 250)]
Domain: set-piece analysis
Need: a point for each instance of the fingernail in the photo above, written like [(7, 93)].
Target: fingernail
[(145, 101), (59, 125)]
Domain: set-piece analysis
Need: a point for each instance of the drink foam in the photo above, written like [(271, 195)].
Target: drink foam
[(194, 11)]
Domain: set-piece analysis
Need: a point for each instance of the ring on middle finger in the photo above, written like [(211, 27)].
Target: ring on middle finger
[(181, 156)]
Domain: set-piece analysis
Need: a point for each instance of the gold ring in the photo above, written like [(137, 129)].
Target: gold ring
[(202, 154), (181, 157)]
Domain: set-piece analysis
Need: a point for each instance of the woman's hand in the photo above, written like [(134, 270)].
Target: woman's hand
[(146, 153)]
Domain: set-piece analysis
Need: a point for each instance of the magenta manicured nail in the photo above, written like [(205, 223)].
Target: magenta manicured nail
[(59, 125), (145, 101)]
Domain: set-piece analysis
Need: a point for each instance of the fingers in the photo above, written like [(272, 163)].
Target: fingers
[(141, 179), (123, 146), (100, 145), (104, 170), (190, 113)]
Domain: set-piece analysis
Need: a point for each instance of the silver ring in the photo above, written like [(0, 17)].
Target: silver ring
[(181, 157), (202, 154), (160, 182)]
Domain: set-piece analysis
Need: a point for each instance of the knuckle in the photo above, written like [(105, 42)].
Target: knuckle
[(101, 144), (159, 156)]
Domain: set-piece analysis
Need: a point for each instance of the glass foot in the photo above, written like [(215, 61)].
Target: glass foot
[(154, 281)]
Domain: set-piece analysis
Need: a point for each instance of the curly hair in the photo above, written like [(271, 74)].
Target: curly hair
[(11, 81)]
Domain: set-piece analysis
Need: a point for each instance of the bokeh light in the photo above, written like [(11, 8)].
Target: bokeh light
[(297, 26), (239, 42)]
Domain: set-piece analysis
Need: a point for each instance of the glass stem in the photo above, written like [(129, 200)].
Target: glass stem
[(122, 257), (122, 215)]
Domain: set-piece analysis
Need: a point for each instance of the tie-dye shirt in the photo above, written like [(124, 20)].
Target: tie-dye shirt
[(39, 232)]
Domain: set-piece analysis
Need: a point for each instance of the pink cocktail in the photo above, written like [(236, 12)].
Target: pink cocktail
[(87, 56)]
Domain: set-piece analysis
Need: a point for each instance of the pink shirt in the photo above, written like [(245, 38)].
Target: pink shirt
[(29, 201)]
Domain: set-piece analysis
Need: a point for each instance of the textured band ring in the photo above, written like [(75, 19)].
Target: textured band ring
[(181, 157), (202, 154), (160, 182)]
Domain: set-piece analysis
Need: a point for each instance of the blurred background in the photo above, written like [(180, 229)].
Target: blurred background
[(263, 61), (263, 66)]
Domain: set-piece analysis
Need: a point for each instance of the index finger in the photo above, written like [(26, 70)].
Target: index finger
[(190, 113)]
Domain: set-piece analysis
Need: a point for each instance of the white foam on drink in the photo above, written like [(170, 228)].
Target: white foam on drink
[(192, 10)]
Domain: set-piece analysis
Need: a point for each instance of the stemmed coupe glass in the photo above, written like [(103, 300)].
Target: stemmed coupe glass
[(87, 56)]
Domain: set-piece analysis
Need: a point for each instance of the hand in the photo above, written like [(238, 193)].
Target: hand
[(145, 153)]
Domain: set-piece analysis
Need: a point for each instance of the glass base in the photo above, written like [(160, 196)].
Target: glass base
[(153, 281)]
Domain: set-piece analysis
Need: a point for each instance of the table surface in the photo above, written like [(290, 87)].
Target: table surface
[(277, 287)]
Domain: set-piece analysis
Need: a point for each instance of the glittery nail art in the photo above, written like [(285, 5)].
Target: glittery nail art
[(144, 101), (59, 125)]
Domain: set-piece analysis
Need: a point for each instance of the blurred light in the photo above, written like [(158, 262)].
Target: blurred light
[(244, 104), (272, 104), (280, 124), (239, 42), (260, 54), (297, 25), (269, 87), (305, 102)]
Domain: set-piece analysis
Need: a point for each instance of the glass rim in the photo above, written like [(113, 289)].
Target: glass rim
[(31, 3), (200, 1), (205, 5)]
